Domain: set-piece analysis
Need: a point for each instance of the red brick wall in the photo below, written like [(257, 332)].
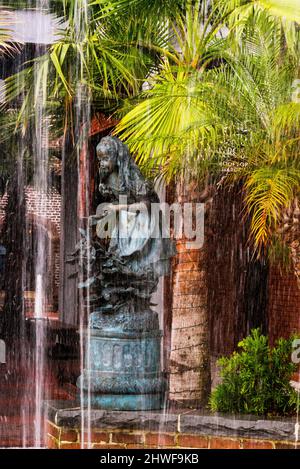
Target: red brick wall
[(283, 304), (226, 233), (45, 206), (65, 438), (43, 209), (46, 209)]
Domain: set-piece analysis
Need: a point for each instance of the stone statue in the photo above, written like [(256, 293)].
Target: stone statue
[(124, 254), (129, 252)]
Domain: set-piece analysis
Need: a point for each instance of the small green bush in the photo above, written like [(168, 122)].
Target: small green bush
[(256, 379)]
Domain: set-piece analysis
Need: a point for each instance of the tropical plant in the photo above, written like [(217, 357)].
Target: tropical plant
[(7, 46), (211, 112), (256, 378), (232, 112), (101, 55), (280, 15), (265, 148), (174, 120)]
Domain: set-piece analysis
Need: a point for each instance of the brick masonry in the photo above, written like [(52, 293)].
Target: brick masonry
[(172, 428), (46, 209), (45, 206), (42, 209), (64, 438), (283, 304), (231, 312)]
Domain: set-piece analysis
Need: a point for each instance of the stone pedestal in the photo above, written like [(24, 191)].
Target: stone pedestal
[(123, 370)]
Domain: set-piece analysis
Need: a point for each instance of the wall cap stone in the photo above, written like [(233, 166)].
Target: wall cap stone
[(186, 421)]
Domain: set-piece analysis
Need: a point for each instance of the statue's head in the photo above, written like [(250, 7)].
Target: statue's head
[(113, 155), (107, 155)]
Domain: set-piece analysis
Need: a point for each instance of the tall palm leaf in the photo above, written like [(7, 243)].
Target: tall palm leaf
[(264, 131), (242, 10), (6, 42), (275, 16), (109, 59), (269, 191), (151, 8), (175, 115), (239, 109)]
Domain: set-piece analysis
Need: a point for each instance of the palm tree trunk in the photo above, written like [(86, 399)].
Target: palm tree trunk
[(68, 285), (190, 351), (13, 235)]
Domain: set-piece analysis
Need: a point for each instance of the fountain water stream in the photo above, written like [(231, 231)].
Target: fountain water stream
[(41, 183), (82, 130), (35, 355)]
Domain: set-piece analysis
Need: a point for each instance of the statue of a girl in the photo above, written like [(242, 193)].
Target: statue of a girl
[(130, 252)]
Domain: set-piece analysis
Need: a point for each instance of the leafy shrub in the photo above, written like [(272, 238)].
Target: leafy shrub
[(256, 379)]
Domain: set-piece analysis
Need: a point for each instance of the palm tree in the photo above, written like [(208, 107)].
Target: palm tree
[(272, 172), (220, 109), (165, 130), (200, 79), (100, 58), (264, 149)]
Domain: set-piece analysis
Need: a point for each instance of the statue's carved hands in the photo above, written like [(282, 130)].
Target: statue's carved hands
[(103, 211)]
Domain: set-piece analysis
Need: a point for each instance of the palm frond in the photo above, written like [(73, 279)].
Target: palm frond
[(269, 191), (174, 117), (286, 119), (242, 11), (279, 17), (152, 8), (109, 59), (7, 45)]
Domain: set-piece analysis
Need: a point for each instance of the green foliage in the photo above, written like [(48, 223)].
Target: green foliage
[(175, 123), (174, 115), (240, 11), (270, 189), (6, 46), (220, 95), (277, 15), (255, 380), (227, 104), (96, 60)]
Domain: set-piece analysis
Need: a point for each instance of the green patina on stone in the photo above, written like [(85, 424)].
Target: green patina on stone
[(123, 340)]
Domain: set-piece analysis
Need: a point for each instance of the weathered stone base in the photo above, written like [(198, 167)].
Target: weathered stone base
[(123, 370), (123, 402), (176, 429)]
